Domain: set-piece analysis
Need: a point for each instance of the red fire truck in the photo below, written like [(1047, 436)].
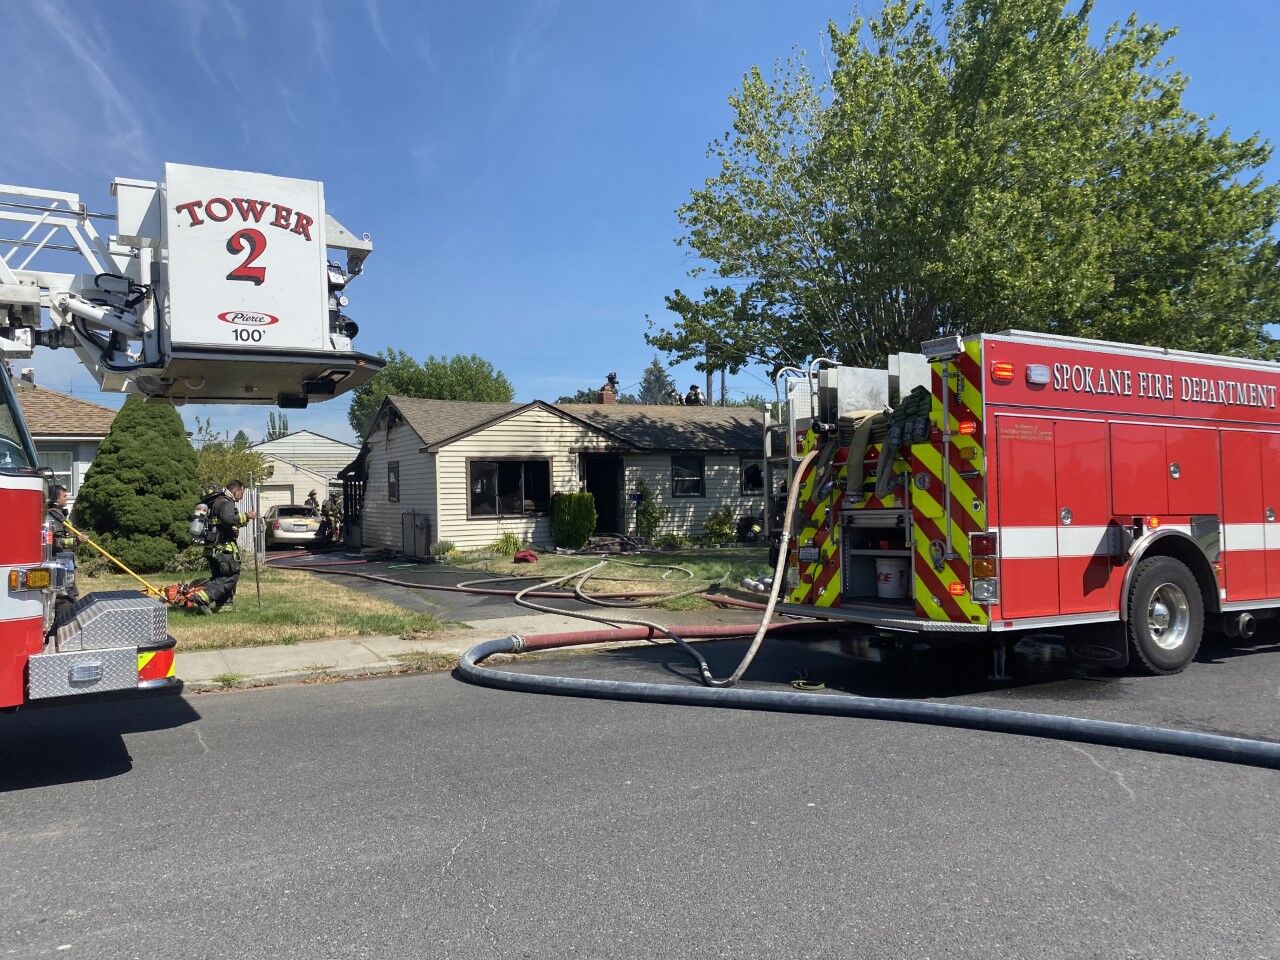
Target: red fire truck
[(215, 287), (1022, 481)]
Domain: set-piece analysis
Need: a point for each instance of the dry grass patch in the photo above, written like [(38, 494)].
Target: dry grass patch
[(638, 571), (296, 607)]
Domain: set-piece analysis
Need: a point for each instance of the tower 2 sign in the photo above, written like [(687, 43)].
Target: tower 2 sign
[(246, 259)]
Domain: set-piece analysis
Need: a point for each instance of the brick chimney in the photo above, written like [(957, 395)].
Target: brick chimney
[(609, 392)]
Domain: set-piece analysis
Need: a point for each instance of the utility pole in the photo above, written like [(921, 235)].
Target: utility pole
[(724, 394)]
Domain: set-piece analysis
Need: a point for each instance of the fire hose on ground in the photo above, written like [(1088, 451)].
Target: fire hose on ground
[(717, 692)]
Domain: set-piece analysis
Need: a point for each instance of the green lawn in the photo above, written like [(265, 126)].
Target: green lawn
[(296, 606)]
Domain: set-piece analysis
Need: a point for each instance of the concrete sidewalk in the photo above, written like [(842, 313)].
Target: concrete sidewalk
[(363, 656)]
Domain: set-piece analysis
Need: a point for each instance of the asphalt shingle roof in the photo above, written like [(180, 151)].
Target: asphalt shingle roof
[(641, 426), (661, 427), (437, 420), (52, 414)]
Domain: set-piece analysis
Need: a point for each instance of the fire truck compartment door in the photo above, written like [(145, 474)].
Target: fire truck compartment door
[(1271, 509), (1088, 540), (1027, 490), (1139, 470), (1244, 517), (1192, 473)]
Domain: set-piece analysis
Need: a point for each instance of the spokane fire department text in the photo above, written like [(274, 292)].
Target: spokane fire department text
[(1076, 378)]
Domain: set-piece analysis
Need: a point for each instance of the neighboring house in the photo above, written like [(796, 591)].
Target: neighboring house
[(469, 472), (66, 430), (300, 462)]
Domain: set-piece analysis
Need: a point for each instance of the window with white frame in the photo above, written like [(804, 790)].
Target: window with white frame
[(393, 480), (62, 463)]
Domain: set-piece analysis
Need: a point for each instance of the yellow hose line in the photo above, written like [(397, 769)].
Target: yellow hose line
[(152, 589)]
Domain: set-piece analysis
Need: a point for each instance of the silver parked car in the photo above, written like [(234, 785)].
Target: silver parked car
[(291, 526)]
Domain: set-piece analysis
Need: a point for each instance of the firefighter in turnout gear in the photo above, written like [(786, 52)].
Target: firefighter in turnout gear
[(222, 549), (64, 546)]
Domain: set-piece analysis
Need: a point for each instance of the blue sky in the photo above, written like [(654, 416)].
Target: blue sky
[(517, 164)]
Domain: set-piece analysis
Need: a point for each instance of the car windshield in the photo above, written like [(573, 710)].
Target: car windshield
[(14, 452), (294, 512)]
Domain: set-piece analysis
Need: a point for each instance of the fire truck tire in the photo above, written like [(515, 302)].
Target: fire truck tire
[(1166, 616)]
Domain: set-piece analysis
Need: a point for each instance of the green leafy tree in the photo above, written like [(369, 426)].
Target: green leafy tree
[(656, 385), (756, 400), (971, 166), (277, 425), (219, 462), (139, 492), (460, 377)]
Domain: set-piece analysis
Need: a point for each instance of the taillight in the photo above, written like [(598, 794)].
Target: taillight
[(982, 545), (967, 427), (984, 580), (275, 525), (956, 589), (1002, 371)]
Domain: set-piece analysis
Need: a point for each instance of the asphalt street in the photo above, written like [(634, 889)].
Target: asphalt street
[(421, 817)]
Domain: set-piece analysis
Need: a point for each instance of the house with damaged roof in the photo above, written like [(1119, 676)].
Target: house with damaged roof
[(467, 473)]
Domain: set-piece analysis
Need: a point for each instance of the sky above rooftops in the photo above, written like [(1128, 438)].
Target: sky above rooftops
[(517, 164)]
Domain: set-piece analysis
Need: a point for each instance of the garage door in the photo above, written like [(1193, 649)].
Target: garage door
[(279, 495)]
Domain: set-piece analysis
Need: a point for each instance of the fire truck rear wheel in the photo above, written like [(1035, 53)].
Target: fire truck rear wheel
[(1166, 616)]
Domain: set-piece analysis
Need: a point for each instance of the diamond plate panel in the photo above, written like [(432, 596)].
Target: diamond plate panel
[(117, 618), (50, 674)]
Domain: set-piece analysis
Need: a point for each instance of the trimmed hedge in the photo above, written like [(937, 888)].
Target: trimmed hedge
[(143, 484), (573, 519)]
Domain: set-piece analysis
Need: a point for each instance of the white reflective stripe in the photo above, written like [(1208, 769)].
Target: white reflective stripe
[(1088, 541), (1244, 536), (1027, 543), (11, 482), (1271, 536)]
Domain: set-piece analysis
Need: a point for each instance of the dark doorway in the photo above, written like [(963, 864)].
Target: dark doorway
[(602, 476)]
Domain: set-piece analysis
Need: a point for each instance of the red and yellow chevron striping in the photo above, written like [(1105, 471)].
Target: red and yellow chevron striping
[(155, 665), (942, 521)]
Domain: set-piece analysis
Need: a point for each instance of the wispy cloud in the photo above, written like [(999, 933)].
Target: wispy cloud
[(408, 33), (116, 124), (523, 52)]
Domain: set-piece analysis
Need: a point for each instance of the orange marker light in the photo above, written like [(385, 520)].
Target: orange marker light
[(1002, 371), (955, 589), (967, 427), (1153, 522)]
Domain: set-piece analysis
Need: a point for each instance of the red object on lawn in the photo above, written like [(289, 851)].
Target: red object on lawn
[(525, 556)]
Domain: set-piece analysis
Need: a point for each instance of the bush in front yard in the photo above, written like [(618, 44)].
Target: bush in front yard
[(140, 490), (506, 545), (573, 519), (721, 526), (649, 513)]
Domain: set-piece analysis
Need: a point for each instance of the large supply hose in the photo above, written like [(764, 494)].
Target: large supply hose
[(1184, 743)]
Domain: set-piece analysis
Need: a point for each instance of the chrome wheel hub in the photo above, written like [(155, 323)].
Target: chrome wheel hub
[(1169, 616)]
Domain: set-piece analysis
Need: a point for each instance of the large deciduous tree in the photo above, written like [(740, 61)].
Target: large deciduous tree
[(460, 377), (969, 168)]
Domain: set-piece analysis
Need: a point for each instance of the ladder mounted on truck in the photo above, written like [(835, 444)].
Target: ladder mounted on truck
[(216, 286)]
